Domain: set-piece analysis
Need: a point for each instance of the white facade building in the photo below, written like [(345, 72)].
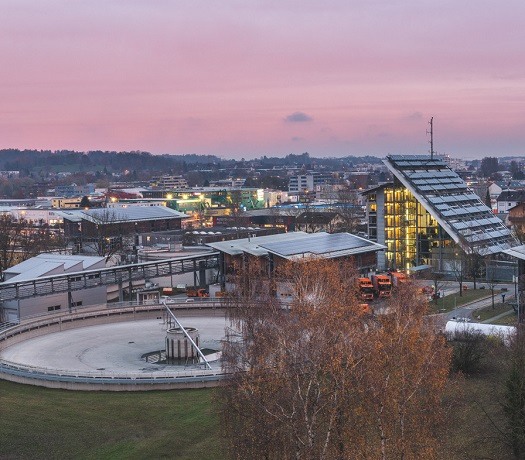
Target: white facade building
[(48, 265)]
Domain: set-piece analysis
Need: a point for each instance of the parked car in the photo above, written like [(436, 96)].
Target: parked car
[(167, 299)]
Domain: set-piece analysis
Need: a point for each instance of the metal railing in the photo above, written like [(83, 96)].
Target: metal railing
[(39, 372), (177, 375), (121, 274)]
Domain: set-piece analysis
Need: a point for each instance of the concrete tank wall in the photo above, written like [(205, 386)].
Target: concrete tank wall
[(178, 347)]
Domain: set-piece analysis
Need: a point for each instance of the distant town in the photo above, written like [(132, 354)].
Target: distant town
[(57, 197)]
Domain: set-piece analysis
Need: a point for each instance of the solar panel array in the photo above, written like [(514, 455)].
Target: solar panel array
[(448, 197), (321, 244)]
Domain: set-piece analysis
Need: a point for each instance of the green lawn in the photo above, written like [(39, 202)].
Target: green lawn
[(57, 424), (488, 312), (39, 423), (455, 300)]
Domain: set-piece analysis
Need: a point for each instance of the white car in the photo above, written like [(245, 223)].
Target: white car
[(167, 299), (461, 319)]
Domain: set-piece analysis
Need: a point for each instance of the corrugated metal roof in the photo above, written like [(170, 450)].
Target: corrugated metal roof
[(131, 213), (43, 264), (294, 245), (516, 251)]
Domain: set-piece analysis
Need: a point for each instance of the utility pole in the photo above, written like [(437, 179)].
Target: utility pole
[(431, 132)]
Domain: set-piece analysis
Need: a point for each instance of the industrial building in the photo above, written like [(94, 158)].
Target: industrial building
[(45, 265), (267, 252)]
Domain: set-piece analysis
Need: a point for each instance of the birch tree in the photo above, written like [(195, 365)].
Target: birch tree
[(320, 378)]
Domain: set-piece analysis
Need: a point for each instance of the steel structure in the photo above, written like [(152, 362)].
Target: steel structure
[(118, 275), (181, 327)]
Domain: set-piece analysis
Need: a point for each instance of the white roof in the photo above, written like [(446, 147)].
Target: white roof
[(51, 264), (516, 251), (120, 214)]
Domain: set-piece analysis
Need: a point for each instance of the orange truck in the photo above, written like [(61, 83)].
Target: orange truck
[(192, 292), (366, 288), (398, 278), (382, 286)]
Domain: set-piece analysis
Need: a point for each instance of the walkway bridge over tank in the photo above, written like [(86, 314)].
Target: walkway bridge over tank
[(122, 275)]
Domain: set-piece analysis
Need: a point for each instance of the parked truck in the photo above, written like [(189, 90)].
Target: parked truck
[(366, 288), (398, 278), (192, 292), (382, 286)]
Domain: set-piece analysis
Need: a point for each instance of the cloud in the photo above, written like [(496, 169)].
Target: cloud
[(414, 116), (298, 117), (297, 139)]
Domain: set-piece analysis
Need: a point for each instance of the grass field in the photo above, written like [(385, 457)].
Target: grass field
[(39, 423), (499, 308), (448, 302)]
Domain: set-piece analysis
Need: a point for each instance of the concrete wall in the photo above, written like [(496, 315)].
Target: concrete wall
[(39, 305), (59, 322)]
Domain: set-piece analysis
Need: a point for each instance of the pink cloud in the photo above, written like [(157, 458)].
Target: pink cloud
[(172, 77)]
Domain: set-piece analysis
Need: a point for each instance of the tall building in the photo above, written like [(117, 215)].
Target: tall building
[(308, 182), (427, 213), (168, 181)]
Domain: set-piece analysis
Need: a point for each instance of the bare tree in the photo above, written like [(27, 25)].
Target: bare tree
[(349, 209), (20, 240), (458, 266), (107, 235), (492, 279), (514, 402), (321, 378)]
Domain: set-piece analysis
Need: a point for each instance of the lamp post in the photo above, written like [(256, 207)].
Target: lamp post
[(516, 295)]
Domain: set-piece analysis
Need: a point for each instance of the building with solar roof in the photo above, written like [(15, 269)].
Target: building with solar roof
[(267, 252), (427, 214)]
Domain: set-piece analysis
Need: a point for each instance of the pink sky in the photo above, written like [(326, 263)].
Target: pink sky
[(248, 78)]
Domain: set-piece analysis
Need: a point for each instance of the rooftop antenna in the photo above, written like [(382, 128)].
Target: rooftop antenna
[(431, 132)]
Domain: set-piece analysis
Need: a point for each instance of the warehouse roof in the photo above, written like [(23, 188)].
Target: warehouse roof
[(128, 214), (51, 264)]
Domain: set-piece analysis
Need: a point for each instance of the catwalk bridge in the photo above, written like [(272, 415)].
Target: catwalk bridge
[(122, 275)]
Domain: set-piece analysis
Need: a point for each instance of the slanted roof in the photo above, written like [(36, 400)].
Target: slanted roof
[(517, 251), (449, 200), (70, 215), (252, 245), (326, 245), (295, 245), (512, 195), (131, 214), (50, 264)]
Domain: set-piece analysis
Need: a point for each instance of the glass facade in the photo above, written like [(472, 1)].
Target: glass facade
[(412, 236)]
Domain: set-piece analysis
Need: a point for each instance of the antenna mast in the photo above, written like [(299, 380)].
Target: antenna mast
[(431, 132)]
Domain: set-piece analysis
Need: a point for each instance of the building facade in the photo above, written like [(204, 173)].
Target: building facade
[(427, 214)]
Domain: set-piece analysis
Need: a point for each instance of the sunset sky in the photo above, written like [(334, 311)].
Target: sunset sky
[(250, 78)]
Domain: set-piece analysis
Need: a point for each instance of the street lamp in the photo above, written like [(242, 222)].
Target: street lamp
[(516, 295)]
